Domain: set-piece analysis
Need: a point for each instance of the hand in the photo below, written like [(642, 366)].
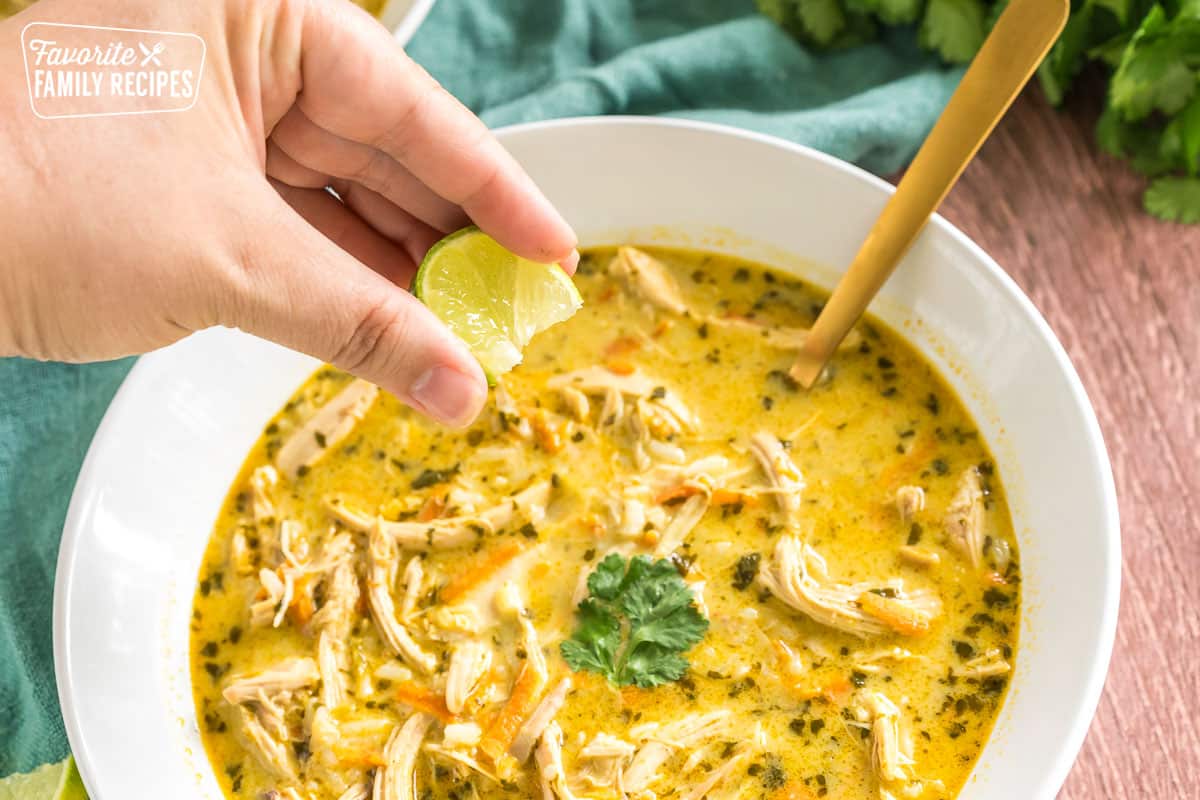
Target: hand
[(123, 234)]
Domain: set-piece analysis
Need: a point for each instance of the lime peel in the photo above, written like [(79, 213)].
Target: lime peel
[(58, 781)]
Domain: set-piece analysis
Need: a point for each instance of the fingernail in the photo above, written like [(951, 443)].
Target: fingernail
[(448, 395), (570, 262)]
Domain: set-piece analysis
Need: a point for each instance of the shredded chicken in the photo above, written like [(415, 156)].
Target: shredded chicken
[(273, 754), (461, 758), (963, 522), (550, 765), (598, 381), (414, 576), (909, 501), (538, 721), (799, 577), (604, 759), (329, 661), (469, 663), (782, 473), (870, 662), (891, 752), (985, 665), (648, 278), (395, 779), (336, 614), (263, 482), (512, 605), (664, 740), (687, 517), (271, 713), (288, 675), (446, 532), (358, 791), (576, 402), (702, 789), (326, 428), (275, 596), (381, 567)]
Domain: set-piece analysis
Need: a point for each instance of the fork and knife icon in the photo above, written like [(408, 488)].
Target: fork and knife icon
[(151, 54)]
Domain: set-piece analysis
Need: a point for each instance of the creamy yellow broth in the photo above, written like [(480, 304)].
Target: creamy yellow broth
[(806, 701)]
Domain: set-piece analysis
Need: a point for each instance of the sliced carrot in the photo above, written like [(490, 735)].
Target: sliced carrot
[(677, 493), (633, 697), (623, 346), (549, 436), (479, 572), (303, 605), (898, 616), (905, 468), (432, 509), (420, 698), (836, 691), (357, 756), (729, 497), (793, 791), (526, 691), (619, 366), (662, 327)]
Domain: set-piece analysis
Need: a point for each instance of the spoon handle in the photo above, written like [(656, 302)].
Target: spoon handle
[(1010, 54)]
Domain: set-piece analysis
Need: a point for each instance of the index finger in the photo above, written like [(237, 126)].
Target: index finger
[(359, 84)]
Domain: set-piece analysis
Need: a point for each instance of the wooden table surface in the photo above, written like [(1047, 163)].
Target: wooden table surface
[(1122, 292)]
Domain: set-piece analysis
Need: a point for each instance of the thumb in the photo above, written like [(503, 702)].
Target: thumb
[(296, 287)]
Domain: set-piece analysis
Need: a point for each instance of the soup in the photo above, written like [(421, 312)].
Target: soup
[(654, 568)]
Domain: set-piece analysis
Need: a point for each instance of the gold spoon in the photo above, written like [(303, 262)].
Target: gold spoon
[(1008, 58)]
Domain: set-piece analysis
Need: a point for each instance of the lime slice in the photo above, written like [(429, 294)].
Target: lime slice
[(493, 300), (50, 782)]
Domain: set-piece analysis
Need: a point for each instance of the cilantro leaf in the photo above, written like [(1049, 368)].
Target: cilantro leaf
[(1181, 138), (954, 28), (650, 665), (823, 20), (892, 12), (1142, 144), (636, 624), (1156, 72), (1066, 57), (1174, 199), (594, 645), (605, 582)]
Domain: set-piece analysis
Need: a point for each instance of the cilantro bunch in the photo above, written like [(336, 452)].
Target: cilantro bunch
[(1150, 49), (636, 623)]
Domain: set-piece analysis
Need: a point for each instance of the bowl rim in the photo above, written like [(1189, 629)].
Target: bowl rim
[(410, 20), (1095, 672)]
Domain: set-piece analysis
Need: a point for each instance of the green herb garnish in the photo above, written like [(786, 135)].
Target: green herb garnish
[(635, 625), (1149, 50)]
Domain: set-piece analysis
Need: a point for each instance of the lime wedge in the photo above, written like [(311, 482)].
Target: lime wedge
[(493, 300), (50, 782)]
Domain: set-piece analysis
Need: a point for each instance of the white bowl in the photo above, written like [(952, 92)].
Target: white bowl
[(181, 424)]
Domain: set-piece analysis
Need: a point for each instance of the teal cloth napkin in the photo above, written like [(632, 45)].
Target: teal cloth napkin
[(511, 61)]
